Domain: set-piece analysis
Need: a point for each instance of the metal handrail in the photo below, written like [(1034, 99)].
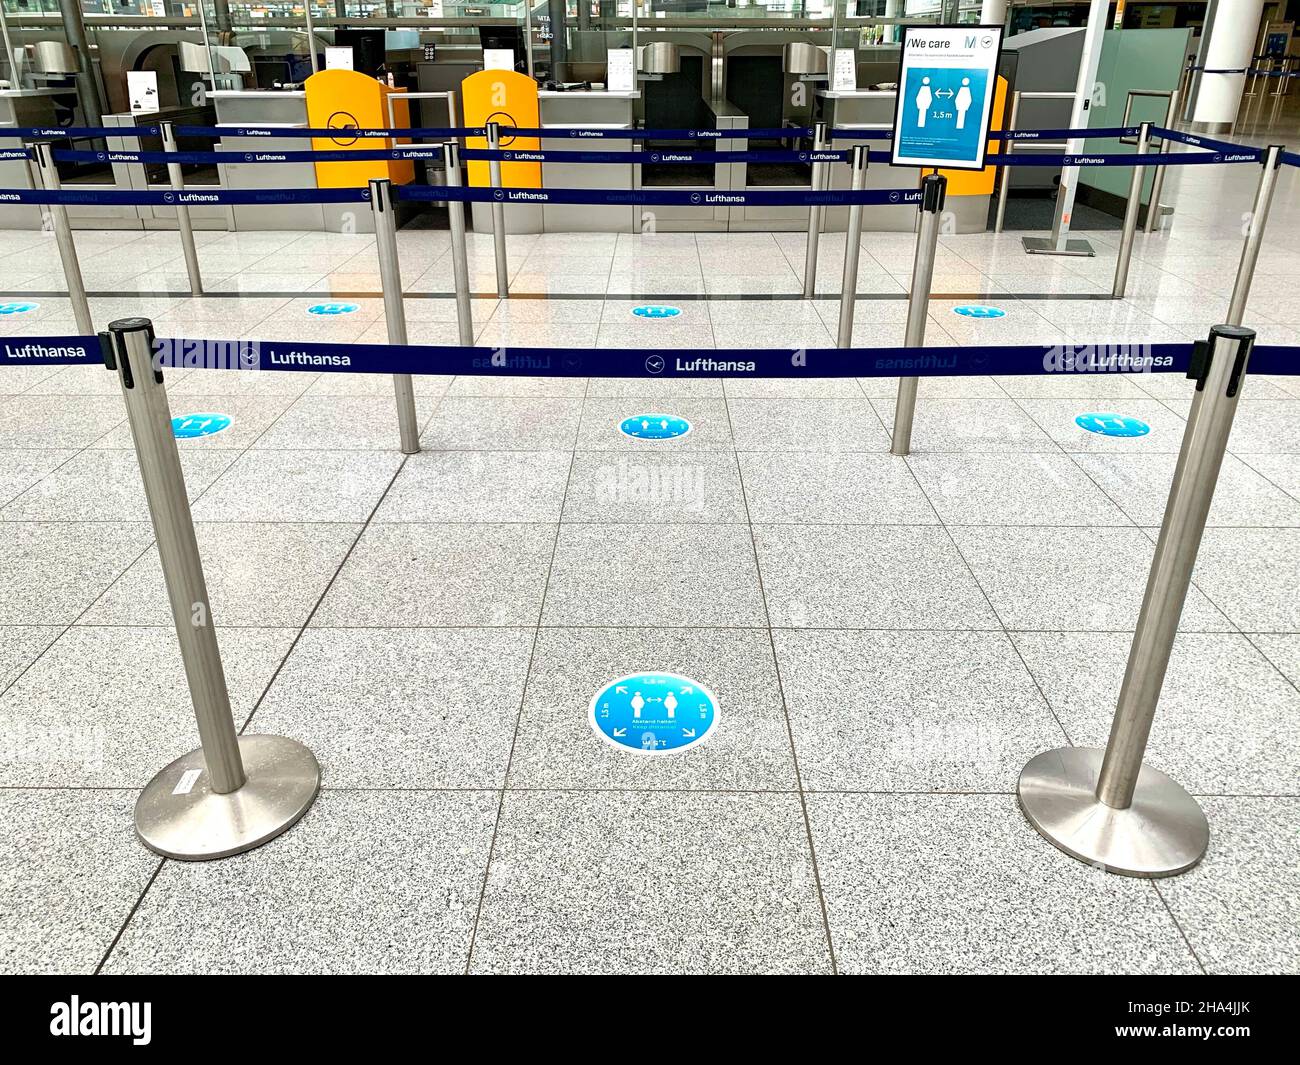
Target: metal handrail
[(1009, 145)]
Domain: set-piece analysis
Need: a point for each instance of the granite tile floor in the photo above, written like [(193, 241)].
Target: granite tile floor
[(890, 639)]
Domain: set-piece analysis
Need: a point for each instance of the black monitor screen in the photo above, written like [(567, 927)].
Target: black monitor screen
[(367, 46), (511, 37)]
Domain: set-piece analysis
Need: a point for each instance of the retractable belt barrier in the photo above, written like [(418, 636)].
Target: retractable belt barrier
[(185, 197), (647, 363), (1104, 807), (507, 155), (549, 132), (50, 133), (573, 133), (329, 133), (1248, 155), (1216, 152), (584, 133), (1197, 141), (664, 197), (335, 155), (1104, 132), (1249, 70), (461, 194)]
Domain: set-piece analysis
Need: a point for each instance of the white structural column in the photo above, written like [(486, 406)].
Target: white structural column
[(1059, 242), (993, 13), (1230, 47), (894, 9)]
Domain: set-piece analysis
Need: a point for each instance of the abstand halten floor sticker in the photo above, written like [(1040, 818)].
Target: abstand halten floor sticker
[(978, 311), (1107, 424), (189, 426), (654, 713), (654, 427), (333, 308), (656, 311)]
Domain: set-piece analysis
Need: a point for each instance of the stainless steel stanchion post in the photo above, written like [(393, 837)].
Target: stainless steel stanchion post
[(235, 792), (1131, 215), (852, 247), (1004, 172), (1154, 213), (177, 182), (934, 190), (1279, 94), (1272, 161), (459, 254), (384, 208), (58, 215), (819, 171), (498, 214), (1106, 807)]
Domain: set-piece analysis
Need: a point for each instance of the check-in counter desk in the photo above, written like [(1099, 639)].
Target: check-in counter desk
[(32, 108), (594, 110), (22, 107), (253, 107), (135, 177), (706, 218), (874, 109), (867, 109)]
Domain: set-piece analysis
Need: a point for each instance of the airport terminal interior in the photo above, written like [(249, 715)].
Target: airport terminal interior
[(851, 651)]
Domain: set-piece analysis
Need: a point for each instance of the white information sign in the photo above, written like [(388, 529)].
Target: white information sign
[(142, 90), (621, 70), (946, 82), (339, 58), (844, 71)]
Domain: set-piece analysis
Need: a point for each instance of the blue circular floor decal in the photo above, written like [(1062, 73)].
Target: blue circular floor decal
[(332, 308), (655, 311), (654, 713), (189, 426), (17, 307), (1112, 425), (977, 311), (654, 427)]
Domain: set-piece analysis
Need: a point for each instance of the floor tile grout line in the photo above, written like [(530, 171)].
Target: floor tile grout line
[(1074, 461), (111, 584), (1006, 634), (1249, 638), (519, 717), (1052, 709), (248, 719), (785, 711), (86, 609), (1245, 461), (1048, 703), (306, 624), (1182, 932), (130, 916)]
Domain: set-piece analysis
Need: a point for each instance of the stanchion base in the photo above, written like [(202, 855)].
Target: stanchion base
[(197, 824), (1163, 833), (1045, 246)]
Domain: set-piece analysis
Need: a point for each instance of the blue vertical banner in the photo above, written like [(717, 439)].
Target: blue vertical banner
[(947, 79)]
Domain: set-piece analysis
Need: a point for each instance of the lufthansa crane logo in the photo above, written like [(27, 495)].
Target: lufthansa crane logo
[(342, 120)]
